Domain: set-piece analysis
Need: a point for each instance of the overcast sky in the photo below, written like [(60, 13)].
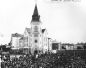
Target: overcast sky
[(64, 21)]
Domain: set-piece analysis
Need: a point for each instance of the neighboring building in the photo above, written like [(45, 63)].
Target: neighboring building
[(78, 46), (55, 46), (34, 38), (15, 40), (50, 44), (67, 46)]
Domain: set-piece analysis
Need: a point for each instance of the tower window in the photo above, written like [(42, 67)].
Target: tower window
[(36, 29), (36, 35), (35, 41)]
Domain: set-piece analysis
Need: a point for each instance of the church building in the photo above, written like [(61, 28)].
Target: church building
[(34, 38)]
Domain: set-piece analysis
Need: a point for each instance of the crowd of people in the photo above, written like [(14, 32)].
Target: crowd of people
[(62, 59)]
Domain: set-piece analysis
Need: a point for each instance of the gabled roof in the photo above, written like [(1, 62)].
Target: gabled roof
[(17, 35), (28, 30), (43, 30), (22, 38)]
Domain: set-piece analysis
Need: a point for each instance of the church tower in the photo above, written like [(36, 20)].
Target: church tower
[(36, 30)]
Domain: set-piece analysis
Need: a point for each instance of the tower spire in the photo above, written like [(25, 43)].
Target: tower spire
[(35, 16)]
